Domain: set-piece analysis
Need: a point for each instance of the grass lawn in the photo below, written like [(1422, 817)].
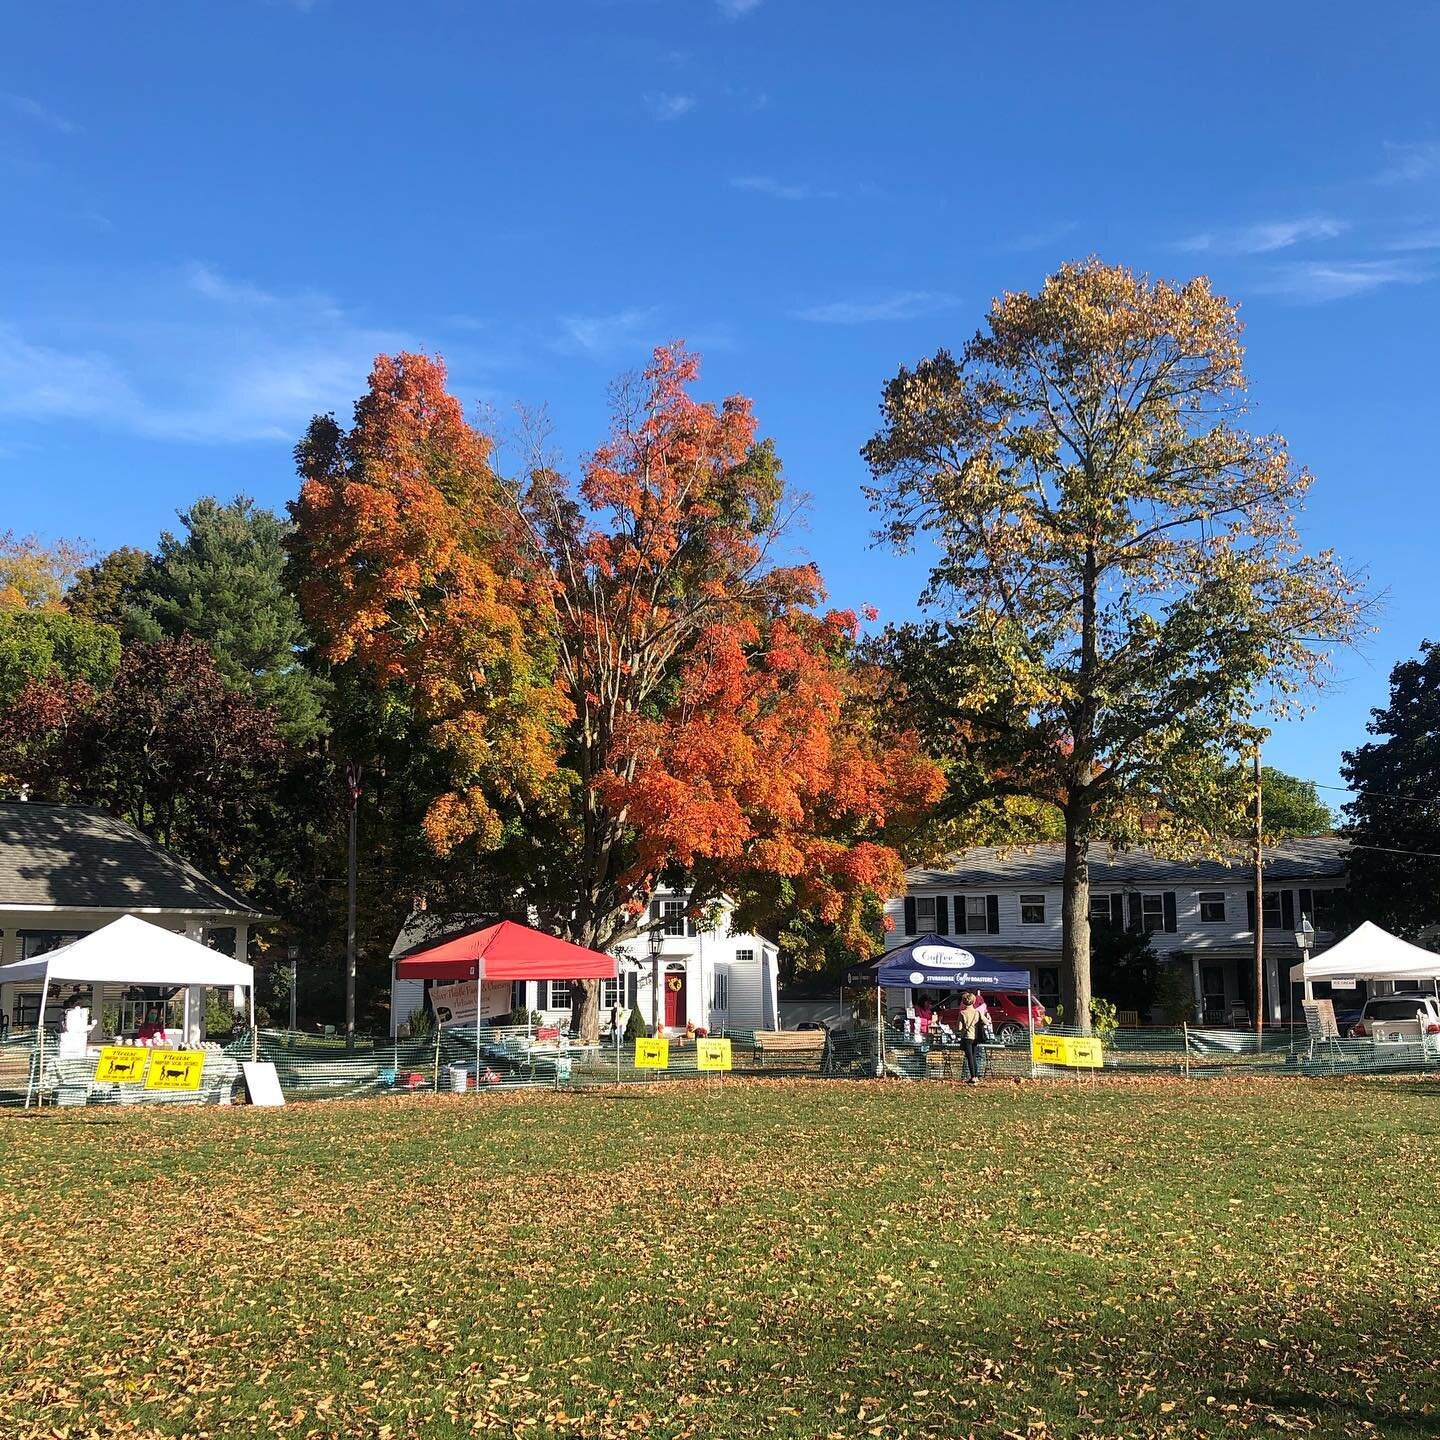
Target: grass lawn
[(1244, 1256)]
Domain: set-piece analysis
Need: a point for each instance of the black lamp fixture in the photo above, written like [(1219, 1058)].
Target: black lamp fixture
[(656, 940)]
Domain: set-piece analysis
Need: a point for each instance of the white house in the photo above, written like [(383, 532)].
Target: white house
[(712, 979), (1008, 903)]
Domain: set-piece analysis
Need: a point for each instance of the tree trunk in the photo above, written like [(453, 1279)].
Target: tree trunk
[(585, 1011), (1075, 923)]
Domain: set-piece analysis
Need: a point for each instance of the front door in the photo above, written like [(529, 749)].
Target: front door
[(1212, 985), (674, 999)]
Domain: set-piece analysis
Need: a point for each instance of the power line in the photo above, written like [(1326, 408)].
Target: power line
[(1377, 795), (1389, 850)]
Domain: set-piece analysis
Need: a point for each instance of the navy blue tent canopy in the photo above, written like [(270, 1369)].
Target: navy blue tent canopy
[(936, 962)]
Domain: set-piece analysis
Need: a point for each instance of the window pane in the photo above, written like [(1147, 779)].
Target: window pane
[(1272, 909), (1152, 913), (1099, 909), (1032, 909), (559, 995), (720, 991), (1212, 906), (975, 921), (674, 917), (1047, 984), (925, 911)]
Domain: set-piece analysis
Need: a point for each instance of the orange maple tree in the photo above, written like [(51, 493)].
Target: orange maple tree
[(619, 662)]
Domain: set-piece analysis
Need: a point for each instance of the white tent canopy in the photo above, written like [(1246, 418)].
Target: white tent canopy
[(130, 951), (1368, 953)]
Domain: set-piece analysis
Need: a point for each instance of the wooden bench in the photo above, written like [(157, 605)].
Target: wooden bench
[(789, 1049)]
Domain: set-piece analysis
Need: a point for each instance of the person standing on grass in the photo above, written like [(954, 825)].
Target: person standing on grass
[(972, 1031)]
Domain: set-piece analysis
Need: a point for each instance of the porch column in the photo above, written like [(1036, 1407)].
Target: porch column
[(1272, 986), (194, 1021), (242, 954), (1199, 994)]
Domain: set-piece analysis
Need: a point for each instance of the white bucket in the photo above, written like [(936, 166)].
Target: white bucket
[(459, 1079)]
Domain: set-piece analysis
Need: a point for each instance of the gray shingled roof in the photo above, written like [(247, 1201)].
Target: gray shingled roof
[(1313, 857), (76, 858), (423, 928)]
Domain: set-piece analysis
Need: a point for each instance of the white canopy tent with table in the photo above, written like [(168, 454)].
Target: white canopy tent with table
[(130, 951), (1368, 953)]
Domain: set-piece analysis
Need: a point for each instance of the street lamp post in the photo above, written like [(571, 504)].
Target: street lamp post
[(655, 939), (1304, 939)]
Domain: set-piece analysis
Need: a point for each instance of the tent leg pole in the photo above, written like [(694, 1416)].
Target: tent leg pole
[(1030, 1027), (39, 1072), (254, 1033), (879, 1030)]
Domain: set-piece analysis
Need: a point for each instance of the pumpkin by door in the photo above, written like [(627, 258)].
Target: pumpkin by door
[(674, 999)]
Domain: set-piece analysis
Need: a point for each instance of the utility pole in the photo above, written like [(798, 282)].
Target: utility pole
[(352, 783), (1259, 910), (294, 976)]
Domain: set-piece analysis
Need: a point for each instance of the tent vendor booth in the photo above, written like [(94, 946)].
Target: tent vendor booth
[(127, 954), (933, 962), (472, 974)]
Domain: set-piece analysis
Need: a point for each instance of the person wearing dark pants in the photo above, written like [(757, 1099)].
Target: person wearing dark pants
[(972, 1032)]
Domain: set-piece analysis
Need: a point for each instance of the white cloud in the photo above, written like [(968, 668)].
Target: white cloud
[(737, 9), (781, 189), (897, 305), (669, 107), (194, 357), (604, 335), (1265, 237), (42, 382), (1409, 162), (206, 280), (1315, 282), (1416, 240), (39, 114)]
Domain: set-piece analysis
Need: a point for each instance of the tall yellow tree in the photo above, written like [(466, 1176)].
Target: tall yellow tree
[(1119, 578)]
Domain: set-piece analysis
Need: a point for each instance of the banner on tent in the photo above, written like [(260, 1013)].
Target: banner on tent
[(454, 1001)]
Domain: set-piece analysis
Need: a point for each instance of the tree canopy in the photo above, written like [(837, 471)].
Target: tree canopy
[(1118, 564), (623, 681), (1393, 821), (223, 582)]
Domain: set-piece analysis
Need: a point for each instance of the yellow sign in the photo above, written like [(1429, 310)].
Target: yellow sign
[(121, 1065), (1049, 1050), (175, 1069), (1075, 1050), (653, 1054), (712, 1054)]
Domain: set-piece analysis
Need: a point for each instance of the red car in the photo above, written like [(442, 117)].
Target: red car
[(1007, 1015)]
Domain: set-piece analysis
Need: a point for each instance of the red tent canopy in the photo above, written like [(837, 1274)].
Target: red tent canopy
[(506, 951)]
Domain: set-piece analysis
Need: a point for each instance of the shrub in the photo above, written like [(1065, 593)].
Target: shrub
[(635, 1027), (1175, 991), (1104, 1017), (421, 1022)]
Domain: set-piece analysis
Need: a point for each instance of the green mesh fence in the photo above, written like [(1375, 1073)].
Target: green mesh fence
[(456, 1060)]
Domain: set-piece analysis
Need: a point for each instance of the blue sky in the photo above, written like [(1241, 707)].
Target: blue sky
[(215, 215)]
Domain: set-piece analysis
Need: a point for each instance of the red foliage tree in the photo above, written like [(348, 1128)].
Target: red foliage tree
[(689, 710)]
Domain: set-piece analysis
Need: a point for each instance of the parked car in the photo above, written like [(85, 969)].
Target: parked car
[(1403, 1006), (1007, 1015)]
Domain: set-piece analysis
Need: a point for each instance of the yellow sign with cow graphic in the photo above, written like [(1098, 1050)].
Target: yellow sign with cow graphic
[(712, 1054), (121, 1065), (175, 1070), (1078, 1051), (652, 1054)]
